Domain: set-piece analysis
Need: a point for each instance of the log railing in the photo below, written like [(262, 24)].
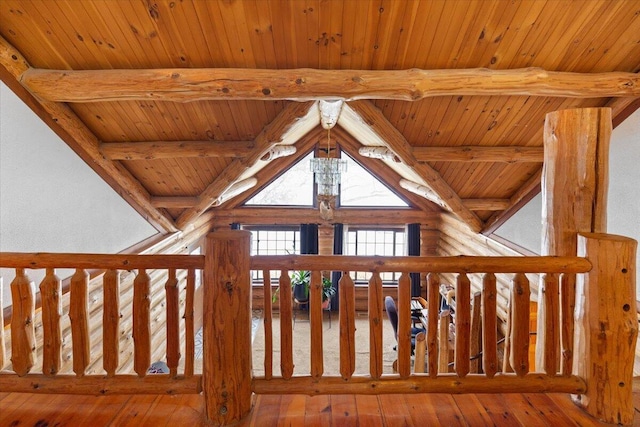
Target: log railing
[(436, 379), (39, 368), (603, 345)]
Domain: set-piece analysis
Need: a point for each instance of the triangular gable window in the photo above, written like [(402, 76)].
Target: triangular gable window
[(360, 188), (292, 188)]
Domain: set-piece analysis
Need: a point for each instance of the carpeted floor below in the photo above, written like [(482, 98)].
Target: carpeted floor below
[(331, 345)]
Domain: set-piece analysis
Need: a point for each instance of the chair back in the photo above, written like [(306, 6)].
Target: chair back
[(392, 314)]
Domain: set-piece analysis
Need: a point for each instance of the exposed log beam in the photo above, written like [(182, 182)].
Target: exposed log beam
[(486, 204), (174, 202), (354, 216), (479, 154), (64, 122), (148, 150), (370, 119), (191, 84), (292, 116)]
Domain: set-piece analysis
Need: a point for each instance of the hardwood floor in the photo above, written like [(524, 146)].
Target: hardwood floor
[(296, 410)]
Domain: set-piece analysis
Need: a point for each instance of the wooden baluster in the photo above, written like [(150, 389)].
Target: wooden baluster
[(141, 323), (433, 297), (3, 345), (520, 316), (268, 326), (463, 325), (489, 325), (567, 309), (111, 322), (347, 326), (189, 336), (443, 342), (286, 326), (375, 325), (51, 291), (173, 323), (475, 345), (315, 318), (551, 323), (404, 325), (78, 309), (23, 335)]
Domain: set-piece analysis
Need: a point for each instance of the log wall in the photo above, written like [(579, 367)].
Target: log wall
[(458, 239)]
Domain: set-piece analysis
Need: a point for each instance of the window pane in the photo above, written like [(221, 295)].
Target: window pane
[(359, 188), (293, 188)]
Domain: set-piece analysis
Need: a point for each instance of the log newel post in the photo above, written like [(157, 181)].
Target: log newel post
[(574, 186), (227, 327), (606, 327)]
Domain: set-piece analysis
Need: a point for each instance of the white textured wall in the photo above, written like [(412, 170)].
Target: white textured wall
[(50, 200), (623, 218)]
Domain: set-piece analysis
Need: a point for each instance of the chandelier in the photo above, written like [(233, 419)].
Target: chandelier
[(327, 170)]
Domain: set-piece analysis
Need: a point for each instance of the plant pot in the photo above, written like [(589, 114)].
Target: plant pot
[(300, 292), (325, 304)]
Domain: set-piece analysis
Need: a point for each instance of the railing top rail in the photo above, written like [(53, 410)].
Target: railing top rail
[(99, 261), (434, 264)]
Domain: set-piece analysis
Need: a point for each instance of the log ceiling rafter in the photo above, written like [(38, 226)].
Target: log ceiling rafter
[(479, 154), (370, 116), (294, 115), (79, 138), (149, 150), (192, 84)]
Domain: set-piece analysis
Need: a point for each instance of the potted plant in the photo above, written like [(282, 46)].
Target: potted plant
[(300, 283)]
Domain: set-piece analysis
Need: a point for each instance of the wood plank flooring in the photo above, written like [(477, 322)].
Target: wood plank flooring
[(296, 410)]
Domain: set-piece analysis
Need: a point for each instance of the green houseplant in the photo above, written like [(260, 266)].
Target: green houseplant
[(300, 283)]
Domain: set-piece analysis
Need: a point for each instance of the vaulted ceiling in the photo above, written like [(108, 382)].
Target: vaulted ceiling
[(175, 102)]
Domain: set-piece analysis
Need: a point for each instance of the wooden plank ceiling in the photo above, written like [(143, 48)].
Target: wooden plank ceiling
[(173, 102)]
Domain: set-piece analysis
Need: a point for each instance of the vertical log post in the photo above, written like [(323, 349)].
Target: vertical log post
[(606, 327), (268, 325), (111, 322), (463, 325), (404, 325), (141, 323), (347, 312), (489, 325), (189, 335), (375, 326), (315, 320), (433, 296), (520, 296), (51, 292), (173, 322), (78, 315), (23, 335), (574, 200), (227, 327), (286, 325)]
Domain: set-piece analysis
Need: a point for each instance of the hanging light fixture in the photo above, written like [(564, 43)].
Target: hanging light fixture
[(327, 170)]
